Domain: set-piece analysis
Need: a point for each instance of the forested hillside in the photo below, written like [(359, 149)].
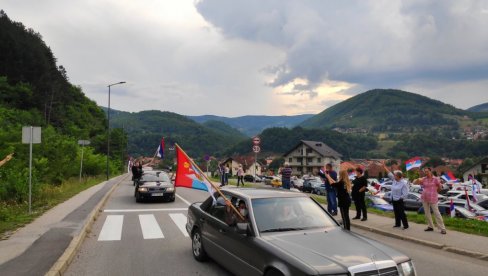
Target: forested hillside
[(254, 124), (388, 110), (280, 140), (35, 91), (146, 128), (479, 108)]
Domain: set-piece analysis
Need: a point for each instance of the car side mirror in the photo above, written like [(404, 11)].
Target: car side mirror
[(242, 228)]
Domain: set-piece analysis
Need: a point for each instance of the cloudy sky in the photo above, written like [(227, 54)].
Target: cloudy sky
[(257, 57)]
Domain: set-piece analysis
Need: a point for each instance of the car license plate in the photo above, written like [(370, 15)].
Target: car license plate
[(157, 194)]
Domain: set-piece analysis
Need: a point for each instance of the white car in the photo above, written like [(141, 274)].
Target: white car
[(462, 195)]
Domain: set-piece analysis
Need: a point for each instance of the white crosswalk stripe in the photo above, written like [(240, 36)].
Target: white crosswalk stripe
[(180, 221), (150, 228), (112, 228)]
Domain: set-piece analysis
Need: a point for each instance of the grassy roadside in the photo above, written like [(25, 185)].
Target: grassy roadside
[(468, 226), (14, 215)]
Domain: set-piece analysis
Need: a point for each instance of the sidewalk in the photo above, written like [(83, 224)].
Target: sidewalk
[(455, 242), (40, 244)]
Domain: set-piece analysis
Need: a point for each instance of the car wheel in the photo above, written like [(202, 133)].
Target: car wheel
[(273, 272), (138, 197), (172, 199), (197, 247)]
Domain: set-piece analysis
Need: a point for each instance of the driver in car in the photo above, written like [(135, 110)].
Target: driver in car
[(286, 214)]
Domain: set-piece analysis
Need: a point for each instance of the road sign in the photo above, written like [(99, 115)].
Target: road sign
[(83, 142), (256, 140), (256, 149)]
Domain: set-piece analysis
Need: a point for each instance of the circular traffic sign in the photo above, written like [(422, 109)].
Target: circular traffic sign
[(256, 140), (256, 149)]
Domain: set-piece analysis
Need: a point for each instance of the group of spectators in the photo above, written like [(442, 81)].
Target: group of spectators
[(341, 191)]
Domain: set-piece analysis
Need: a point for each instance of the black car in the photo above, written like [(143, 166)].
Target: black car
[(250, 178), (285, 233), (412, 202), (154, 185)]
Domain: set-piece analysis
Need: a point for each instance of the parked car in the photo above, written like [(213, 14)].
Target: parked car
[(462, 195), (460, 212), (154, 185), (483, 203), (310, 185), (473, 207), (386, 186), (286, 233), (250, 178), (276, 182), (412, 202), (296, 182), (378, 203)]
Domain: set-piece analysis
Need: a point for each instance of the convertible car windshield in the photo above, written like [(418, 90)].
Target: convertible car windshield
[(289, 214)]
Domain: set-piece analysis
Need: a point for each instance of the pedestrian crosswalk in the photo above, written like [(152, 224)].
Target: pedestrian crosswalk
[(149, 226)]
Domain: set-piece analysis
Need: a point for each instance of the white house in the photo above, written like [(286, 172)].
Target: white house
[(308, 157), (480, 170)]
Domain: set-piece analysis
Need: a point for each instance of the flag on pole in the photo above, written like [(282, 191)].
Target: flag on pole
[(451, 208), (413, 163), (188, 174), (160, 151), (449, 176)]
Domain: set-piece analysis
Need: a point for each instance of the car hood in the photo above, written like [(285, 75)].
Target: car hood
[(156, 184), (333, 251)]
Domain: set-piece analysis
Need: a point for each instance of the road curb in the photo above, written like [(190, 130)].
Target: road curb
[(62, 263), (435, 245)]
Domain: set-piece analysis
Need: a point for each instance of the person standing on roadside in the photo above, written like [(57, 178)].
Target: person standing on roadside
[(360, 184), (331, 192), (240, 176), (286, 176), (226, 174), (343, 188), (431, 186), (221, 171), (399, 191)]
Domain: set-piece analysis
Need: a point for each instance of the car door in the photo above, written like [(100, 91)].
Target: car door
[(245, 258), (212, 226)]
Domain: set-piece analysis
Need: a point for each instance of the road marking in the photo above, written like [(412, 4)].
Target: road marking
[(150, 227), (180, 221), (143, 210), (184, 200), (112, 228)]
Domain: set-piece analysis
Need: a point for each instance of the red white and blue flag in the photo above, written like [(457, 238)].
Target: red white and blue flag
[(451, 208), (188, 174), (160, 152), (449, 176), (413, 163)]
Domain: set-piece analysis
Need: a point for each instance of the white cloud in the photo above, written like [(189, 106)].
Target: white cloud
[(270, 57)]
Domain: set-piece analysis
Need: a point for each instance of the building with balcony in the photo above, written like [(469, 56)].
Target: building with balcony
[(307, 157)]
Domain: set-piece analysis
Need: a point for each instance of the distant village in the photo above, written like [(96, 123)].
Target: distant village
[(308, 157)]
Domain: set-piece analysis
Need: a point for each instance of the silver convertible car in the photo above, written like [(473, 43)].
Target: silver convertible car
[(284, 233)]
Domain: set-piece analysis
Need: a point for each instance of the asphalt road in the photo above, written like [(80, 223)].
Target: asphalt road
[(132, 238)]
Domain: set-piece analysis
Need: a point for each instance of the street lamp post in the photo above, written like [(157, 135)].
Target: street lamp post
[(108, 127)]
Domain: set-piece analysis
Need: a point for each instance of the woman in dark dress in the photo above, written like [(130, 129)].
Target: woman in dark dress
[(343, 188)]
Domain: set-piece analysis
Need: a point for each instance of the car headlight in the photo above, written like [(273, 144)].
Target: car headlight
[(406, 269), (142, 189), (170, 189)]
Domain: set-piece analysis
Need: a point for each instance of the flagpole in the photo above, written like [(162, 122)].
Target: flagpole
[(209, 181)]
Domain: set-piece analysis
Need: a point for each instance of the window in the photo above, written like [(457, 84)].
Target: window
[(290, 159), (319, 160), (299, 159), (309, 150), (309, 159)]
